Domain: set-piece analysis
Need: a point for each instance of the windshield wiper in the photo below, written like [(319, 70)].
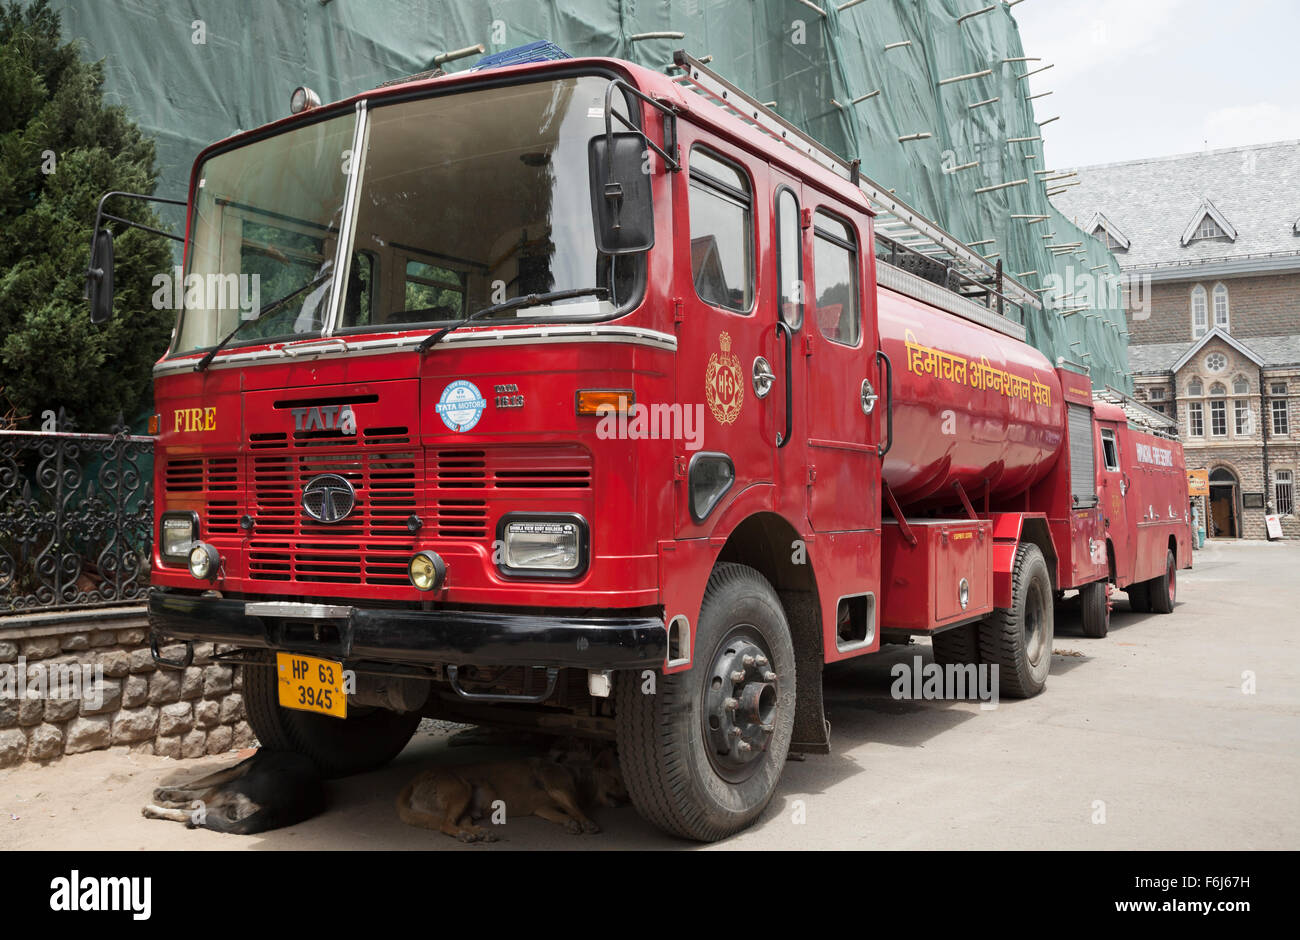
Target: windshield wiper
[(525, 300), (266, 308)]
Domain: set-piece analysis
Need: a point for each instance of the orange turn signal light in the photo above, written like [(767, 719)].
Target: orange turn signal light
[(153, 424), (619, 400)]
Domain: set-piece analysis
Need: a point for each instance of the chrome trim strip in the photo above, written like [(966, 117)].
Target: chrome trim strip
[(343, 250), (303, 351), (296, 609)]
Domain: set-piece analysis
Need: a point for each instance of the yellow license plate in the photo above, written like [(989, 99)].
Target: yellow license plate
[(311, 685)]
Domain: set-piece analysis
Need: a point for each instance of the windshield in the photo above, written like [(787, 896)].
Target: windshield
[(266, 223), (464, 202), (473, 199)]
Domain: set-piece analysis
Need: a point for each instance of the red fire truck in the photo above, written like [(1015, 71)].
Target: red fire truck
[(584, 397)]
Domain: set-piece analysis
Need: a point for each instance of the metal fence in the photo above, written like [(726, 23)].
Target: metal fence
[(76, 519)]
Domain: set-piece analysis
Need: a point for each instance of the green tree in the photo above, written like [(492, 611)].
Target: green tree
[(61, 148)]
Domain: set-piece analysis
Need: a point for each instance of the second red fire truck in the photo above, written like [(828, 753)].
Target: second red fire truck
[(603, 401)]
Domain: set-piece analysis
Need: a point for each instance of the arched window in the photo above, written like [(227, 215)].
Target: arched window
[(1221, 307), (1194, 387), (1218, 388), (1200, 312), (1240, 386)]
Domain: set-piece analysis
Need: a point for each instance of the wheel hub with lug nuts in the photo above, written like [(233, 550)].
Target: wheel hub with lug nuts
[(740, 708)]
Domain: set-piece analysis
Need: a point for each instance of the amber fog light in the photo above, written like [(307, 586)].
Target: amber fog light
[(427, 571), (205, 561)]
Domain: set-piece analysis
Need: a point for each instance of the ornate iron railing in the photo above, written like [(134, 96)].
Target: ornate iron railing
[(76, 519)]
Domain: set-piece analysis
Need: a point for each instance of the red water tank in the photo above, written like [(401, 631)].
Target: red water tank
[(971, 405)]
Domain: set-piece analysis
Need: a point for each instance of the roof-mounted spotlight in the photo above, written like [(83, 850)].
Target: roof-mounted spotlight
[(303, 99)]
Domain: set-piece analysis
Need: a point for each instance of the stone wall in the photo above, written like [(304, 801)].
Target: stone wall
[(190, 713), (1258, 305)]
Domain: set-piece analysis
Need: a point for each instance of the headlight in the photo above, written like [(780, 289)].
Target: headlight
[(545, 545), (427, 571), (205, 561), (177, 532)]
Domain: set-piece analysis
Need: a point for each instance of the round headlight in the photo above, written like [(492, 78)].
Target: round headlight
[(427, 571), (204, 561), (303, 99)]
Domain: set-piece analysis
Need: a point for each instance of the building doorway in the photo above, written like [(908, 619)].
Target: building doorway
[(1224, 521)]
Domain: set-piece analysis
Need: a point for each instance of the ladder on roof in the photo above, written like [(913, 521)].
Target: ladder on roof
[(913, 242)]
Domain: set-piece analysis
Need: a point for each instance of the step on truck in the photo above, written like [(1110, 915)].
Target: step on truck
[(582, 397)]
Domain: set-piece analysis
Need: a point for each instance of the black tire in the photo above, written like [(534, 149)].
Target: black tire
[(1139, 597), (669, 743), (957, 646), (1018, 640), (1093, 602), (368, 738), (1163, 590)]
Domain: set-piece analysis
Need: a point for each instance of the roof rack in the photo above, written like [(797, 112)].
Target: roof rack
[(904, 236), (1138, 414)]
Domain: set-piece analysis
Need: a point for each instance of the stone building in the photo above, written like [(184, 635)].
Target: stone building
[(1209, 245)]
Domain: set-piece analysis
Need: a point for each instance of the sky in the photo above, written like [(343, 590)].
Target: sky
[(1148, 78)]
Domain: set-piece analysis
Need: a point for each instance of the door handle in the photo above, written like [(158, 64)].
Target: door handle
[(783, 330), (763, 377), (881, 450)]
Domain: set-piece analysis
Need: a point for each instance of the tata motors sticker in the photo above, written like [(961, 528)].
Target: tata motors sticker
[(461, 405)]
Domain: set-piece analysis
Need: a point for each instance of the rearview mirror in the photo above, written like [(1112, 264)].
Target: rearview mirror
[(621, 202), (99, 278)]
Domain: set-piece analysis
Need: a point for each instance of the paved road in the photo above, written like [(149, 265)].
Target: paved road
[(1149, 729)]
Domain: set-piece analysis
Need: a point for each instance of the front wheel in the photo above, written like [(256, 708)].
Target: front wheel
[(701, 751), (1018, 640), (368, 738)]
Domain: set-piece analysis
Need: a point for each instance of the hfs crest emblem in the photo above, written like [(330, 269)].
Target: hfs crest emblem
[(723, 386)]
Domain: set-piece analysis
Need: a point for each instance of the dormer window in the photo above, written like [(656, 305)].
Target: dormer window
[(1208, 223), (1105, 231)]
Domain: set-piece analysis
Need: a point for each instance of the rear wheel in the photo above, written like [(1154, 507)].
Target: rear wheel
[(1164, 589), (702, 751), (958, 646), (366, 739), (1018, 640), (1094, 600)]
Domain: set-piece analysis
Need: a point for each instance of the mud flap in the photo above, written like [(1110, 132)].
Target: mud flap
[(812, 732)]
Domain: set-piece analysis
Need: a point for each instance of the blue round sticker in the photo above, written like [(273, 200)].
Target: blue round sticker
[(461, 405)]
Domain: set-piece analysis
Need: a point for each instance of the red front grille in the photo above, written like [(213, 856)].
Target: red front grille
[(216, 478), (370, 546)]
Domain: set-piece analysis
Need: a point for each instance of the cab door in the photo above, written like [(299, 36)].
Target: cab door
[(1113, 490), (725, 326), (842, 397)]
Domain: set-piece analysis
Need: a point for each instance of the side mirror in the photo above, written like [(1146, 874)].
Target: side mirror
[(621, 201), (99, 278)]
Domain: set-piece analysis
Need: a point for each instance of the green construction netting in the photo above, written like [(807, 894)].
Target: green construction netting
[(818, 63)]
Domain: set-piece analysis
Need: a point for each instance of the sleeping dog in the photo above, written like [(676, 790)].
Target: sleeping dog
[(269, 790), (453, 798)]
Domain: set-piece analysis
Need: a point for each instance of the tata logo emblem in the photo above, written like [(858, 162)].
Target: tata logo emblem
[(724, 387), (325, 418), (329, 498)]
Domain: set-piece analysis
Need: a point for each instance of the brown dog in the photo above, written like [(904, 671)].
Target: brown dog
[(451, 799)]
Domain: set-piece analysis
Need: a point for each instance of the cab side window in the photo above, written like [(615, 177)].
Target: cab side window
[(722, 232), (1109, 450), (789, 258), (835, 276)]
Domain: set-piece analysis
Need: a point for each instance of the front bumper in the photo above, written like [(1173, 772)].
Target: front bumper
[(458, 637)]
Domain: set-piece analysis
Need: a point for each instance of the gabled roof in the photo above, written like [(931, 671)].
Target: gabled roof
[(1216, 334), (1208, 208), (1151, 202), (1163, 358), (1099, 221)]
